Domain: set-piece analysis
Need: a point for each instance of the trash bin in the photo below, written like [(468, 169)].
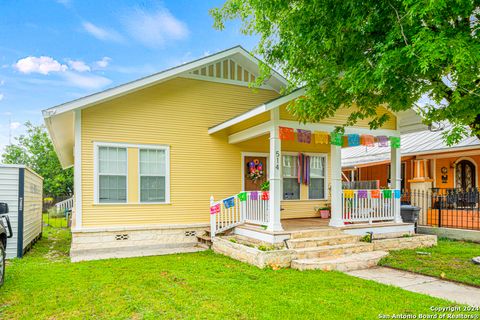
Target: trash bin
[(410, 214)]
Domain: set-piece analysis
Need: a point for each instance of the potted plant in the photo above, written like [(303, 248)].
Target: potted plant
[(324, 211)]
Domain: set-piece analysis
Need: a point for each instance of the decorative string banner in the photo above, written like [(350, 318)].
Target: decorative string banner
[(242, 196), (387, 194), (395, 142), (286, 133), (345, 141), (382, 141), (265, 195), (336, 139), (367, 140), (304, 136), (215, 209), (348, 194), (229, 202), (321, 137), (375, 194), (254, 195), (398, 194), (353, 140), (362, 194)]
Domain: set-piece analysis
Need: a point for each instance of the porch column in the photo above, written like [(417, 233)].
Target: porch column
[(336, 186), (396, 178), (274, 223)]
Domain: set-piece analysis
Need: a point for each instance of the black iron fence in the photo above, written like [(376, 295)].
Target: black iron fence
[(448, 208)]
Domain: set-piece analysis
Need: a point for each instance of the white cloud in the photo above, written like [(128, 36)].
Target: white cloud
[(43, 65), (78, 65), (66, 3), (154, 29), (2, 82), (86, 81), (102, 33), (1, 96), (15, 125), (104, 62)]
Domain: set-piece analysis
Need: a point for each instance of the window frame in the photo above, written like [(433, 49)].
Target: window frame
[(167, 173), (325, 177), (96, 160), (295, 154), (96, 177)]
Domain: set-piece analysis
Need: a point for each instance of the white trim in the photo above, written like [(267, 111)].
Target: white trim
[(152, 80), (324, 155), (250, 133), (96, 182), (222, 80), (141, 227), (77, 172), (257, 110), (252, 154), (167, 174), (455, 170)]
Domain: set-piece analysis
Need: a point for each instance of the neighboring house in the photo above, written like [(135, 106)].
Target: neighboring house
[(153, 157), (425, 157)]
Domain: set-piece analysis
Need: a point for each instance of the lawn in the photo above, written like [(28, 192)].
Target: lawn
[(449, 260), (45, 285)]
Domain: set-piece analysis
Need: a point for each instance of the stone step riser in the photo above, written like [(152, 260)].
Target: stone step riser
[(330, 266), (327, 252), (322, 242), (316, 234)]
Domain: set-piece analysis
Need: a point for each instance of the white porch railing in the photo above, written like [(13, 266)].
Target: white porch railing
[(368, 208), (65, 205), (252, 210)]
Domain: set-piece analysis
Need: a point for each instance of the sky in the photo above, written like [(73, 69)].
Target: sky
[(54, 51)]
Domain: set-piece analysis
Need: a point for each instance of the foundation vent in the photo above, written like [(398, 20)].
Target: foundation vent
[(192, 233), (120, 237)]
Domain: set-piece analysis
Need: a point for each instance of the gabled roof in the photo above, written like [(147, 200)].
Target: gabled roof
[(424, 142), (60, 119)]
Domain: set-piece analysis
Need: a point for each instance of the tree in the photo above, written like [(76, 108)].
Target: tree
[(35, 150), (370, 53)]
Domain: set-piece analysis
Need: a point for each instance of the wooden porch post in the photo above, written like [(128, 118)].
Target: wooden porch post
[(336, 186), (396, 178), (274, 223)]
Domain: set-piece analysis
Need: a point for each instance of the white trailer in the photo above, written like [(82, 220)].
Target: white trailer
[(22, 189)]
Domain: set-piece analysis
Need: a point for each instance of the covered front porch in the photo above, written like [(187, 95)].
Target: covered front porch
[(267, 208)]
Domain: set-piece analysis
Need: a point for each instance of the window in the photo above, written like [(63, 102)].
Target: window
[(153, 175), (291, 187), (316, 188), (112, 175)]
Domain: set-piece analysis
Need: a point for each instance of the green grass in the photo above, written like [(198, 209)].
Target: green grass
[(45, 285), (449, 260), (57, 222)]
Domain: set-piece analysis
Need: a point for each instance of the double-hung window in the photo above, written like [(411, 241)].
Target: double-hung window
[(316, 188), (153, 175), (291, 187), (112, 174)]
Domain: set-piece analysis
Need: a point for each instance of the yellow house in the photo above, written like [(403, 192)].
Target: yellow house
[(154, 158)]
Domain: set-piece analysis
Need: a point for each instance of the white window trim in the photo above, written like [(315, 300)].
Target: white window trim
[(97, 144), (96, 180), (325, 178), (326, 175), (281, 175), (167, 173)]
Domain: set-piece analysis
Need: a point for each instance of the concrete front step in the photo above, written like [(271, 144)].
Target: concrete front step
[(349, 262), (316, 233), (333, 250), (322, 241)]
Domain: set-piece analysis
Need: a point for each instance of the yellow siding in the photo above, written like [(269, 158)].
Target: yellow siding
[(254, 121), (133, 175), (342, 115), (177, 113), (32, 207)]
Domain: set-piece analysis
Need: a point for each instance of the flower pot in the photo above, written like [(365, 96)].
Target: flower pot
[(324, 214)]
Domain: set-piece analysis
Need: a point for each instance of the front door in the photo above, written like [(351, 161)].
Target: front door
[(255, 169), (465, 175)]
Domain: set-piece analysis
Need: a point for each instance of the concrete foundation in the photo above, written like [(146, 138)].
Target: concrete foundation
[(457, 234)]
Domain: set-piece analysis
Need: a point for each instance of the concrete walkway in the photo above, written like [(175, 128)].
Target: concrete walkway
[(422, 284)]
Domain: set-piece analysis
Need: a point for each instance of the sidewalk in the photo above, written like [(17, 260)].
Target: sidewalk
[(422, 284)]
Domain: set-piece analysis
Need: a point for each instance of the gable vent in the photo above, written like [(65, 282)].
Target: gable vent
[(227, 69)]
